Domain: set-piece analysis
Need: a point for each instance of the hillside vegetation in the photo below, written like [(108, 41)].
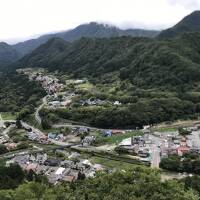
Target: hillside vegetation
[(146, 63), (190, 23), (136, 184), (7, 54), (156, 79), (18, 94), (91, 30)]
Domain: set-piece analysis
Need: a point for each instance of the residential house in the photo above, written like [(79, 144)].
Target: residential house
[(182, 149), (52, 162), (107, 133)]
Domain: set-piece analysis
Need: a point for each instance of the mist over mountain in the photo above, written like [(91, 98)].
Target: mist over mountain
[(145, 62), (85, 30)]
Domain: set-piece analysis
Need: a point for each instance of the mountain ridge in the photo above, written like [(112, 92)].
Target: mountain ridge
[(145, 62), (91, 29), (7, 54), (190, 23)]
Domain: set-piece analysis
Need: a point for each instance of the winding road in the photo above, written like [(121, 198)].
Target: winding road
[(37, 113)]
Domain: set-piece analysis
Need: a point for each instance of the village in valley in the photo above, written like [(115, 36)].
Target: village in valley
[(65, 152)]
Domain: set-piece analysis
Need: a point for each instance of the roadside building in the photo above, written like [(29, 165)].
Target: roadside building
[(52, 136), (31, 167), (182, 149), (116, 132), (52, 162), (10, 146), (107, 133)]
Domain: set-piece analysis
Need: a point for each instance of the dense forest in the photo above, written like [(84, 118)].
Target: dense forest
[(157, 79), (7, 54), (17, 93), (145, 111), (189, 163), (135, 184), (147, 63)]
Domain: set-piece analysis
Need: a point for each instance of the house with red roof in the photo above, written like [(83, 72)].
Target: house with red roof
[(182, 149)]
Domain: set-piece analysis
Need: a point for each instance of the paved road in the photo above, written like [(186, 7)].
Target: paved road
[(89, 127), (37, 115), (195, 138), (6, 131), (155, 160), (35, 130), (1, 121), (27, 126), (155, 151), (74, 126)]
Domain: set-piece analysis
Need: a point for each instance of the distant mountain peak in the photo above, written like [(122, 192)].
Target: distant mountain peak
[(7, 54), (91, 30), (190, 23)]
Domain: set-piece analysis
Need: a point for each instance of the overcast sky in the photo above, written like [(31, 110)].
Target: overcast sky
[(22, 19)]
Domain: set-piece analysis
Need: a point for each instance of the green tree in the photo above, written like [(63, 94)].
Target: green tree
[(3, 149)]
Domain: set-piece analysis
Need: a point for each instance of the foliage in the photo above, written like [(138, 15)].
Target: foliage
[(7, 54), (3, 149), (144, 112), (189, 23), (23, 145), (16, 94), (192, 182), (115, 139), (147, 63), (137, 184), (11, 177), (183, 131), (189, 163), (156, 80), (92, 30)]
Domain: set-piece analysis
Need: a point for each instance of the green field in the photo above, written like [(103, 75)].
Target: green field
[(165, 129), (115, 139), (8, 116), (112, 164), (85, 86)]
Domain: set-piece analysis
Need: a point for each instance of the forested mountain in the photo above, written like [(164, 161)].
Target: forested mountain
[(47, 51), (190, 23), (145, 62), (7, 54), (18, 93), (85, 30), (160, 77)]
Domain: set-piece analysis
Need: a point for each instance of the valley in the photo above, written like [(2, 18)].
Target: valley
[(62, 94), (99, 112)]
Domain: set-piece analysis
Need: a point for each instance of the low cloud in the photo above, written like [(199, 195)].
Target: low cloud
[(187, 4)]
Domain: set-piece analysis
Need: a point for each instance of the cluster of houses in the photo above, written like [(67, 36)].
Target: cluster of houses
[(138, 145), (173, 143), (166, 143), (4, 137), (49, 83), (92, 102), (33, 136), (84, 131), (109, 133), (45, 139), (57, 170), (55, 101), (78, 81)]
